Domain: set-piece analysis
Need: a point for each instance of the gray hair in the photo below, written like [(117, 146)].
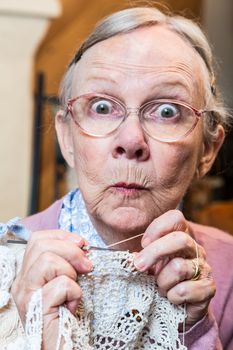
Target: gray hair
[(133, 18)]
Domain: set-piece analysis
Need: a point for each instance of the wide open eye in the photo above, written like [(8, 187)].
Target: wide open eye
[(102, 107), (166, 111)]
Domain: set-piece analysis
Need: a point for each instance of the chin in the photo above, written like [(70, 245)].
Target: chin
[(127, 221)]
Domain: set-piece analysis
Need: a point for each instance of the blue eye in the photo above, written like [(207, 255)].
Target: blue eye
[(167, 111), (102, 107)]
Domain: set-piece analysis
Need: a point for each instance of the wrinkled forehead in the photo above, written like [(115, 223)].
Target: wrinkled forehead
[(145, 56)]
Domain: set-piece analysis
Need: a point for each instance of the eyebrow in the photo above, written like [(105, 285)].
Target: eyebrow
[(173, 82), (173, 86)]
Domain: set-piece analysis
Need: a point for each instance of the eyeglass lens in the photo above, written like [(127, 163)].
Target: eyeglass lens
[(161, 119)]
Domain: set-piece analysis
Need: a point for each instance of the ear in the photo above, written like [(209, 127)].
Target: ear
[(64, 136), (210, 151)]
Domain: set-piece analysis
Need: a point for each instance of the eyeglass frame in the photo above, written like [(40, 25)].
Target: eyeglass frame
[(129, 110)]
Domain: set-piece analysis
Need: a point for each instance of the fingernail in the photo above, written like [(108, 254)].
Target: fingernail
[(140, 263), (77, 239), (145, 242), (87, 264)]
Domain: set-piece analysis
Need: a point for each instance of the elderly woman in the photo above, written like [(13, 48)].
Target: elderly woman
[(140, 120)]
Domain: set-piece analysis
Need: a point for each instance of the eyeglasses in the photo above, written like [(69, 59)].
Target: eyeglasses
[(164, 120)]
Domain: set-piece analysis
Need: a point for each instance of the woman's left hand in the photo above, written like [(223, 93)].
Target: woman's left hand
[(172, 254)]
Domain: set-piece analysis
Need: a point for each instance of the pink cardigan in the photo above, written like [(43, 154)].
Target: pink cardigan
[(215, 331)]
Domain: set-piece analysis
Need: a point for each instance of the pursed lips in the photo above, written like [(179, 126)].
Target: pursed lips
[(128, 188)]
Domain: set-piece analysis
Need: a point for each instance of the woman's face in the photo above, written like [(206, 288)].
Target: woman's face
[(127, 179)]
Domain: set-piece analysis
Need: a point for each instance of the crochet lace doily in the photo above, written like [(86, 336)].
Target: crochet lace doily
[(121, 309)]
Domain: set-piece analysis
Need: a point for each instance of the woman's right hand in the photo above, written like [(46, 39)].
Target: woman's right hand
[(51, 262)]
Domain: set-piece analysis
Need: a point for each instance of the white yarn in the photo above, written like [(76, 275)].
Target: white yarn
[(121, 309), (34, 321), (19, 344), (7, 273), (32, 340), (12, 336)]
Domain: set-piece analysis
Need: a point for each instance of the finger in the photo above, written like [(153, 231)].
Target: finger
[(51, 266), (65, 249), (53, 235), (58, 235), (171, 221), (176, 271), (173, 244), (73, 305), (58, 291), (192, 292)]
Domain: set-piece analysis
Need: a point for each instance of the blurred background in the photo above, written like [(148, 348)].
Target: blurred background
[(38, 39)]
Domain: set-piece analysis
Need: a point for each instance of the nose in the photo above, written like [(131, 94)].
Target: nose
[(130, 141)]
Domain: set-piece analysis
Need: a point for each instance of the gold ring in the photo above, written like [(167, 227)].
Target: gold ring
[(197, 271), (196, 266)]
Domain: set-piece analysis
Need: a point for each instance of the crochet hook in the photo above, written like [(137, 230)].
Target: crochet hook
[(85, 247), (88, 247), (16, 241)]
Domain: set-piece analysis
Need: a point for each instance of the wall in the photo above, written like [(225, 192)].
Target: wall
[(218, 22), (22, 25)]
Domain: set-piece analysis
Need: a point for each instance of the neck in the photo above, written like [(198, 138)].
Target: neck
[(111, 236)]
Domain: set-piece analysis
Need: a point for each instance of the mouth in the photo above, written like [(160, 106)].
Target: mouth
[(128, 188)]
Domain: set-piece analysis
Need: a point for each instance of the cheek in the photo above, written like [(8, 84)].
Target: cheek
[(176, 164), (90, 157)]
